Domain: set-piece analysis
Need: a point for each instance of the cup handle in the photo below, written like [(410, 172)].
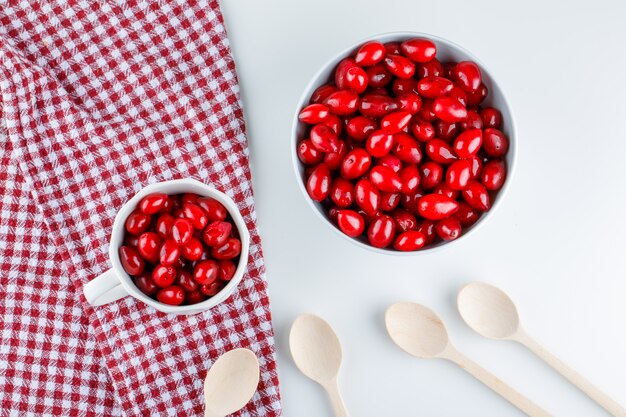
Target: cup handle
[(104, 289)]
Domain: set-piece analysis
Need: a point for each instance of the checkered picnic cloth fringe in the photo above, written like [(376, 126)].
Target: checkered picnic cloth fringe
[(99, 99)]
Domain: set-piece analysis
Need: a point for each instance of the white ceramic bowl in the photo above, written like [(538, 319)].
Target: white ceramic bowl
[(116, 283), (446, 51)]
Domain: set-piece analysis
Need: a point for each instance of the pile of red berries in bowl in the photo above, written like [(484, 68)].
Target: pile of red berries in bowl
[(401, 148), (180, 249)]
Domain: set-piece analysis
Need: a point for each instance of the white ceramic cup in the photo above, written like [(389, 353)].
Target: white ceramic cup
[(446, 51), (116, 283)]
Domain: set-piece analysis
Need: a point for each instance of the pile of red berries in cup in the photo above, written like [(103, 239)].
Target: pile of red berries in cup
[(180, 248), (398, 149)]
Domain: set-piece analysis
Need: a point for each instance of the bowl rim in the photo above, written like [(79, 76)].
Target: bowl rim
[(512, 136)]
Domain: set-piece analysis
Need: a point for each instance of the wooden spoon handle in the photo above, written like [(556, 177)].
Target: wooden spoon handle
[(571, 375), (495, 384), (332, 388)]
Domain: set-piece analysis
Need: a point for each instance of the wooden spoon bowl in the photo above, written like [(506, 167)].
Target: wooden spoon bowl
[(317, 353), (231, 382)]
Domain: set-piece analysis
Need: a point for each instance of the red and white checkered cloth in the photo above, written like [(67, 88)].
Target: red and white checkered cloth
[(99, 99)]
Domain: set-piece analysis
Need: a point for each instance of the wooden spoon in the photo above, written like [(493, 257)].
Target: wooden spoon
[(231, 382), (491, 313), (317, 353), (418, 331)]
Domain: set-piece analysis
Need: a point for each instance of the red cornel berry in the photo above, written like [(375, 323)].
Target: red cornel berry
[(172, 295), (229, 250), (152, 203), (350, 222), (131, 260), (419, 50), (370, 53), (180, 249), (401, 150)]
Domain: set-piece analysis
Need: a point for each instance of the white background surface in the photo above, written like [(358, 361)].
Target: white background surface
[(556, 245)]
